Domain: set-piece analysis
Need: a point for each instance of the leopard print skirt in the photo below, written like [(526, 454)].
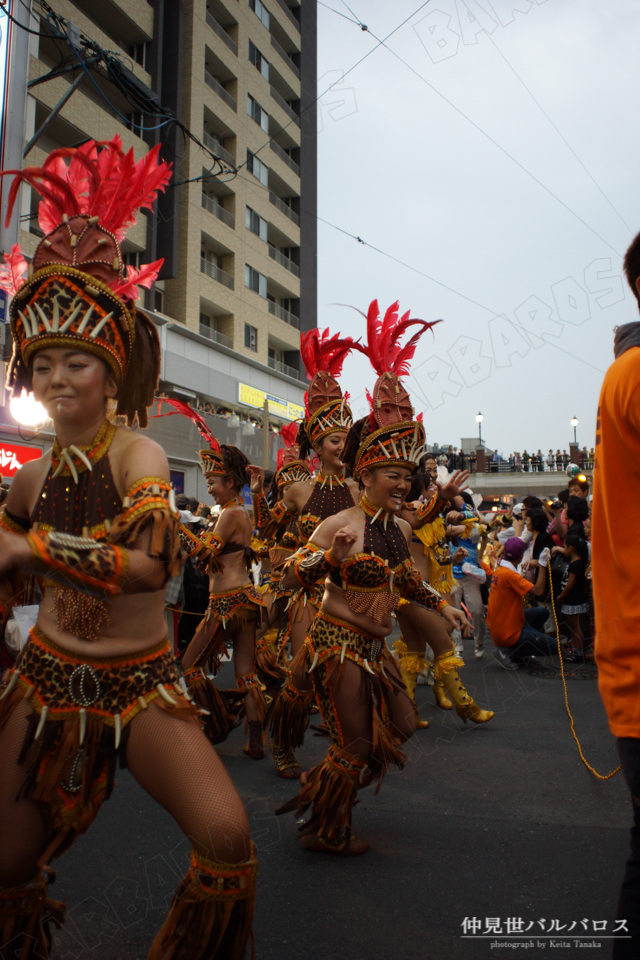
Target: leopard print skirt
[(77, 728)]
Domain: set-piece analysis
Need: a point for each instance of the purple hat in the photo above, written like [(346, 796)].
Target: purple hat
[(514, 549)]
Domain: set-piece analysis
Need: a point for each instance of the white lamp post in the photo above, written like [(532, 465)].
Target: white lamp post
[(574, 424), (479, 419)]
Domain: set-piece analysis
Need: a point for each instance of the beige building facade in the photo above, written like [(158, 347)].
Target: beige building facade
[(237, 229)]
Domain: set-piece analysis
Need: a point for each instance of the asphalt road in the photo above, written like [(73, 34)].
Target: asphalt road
[(494, 821)]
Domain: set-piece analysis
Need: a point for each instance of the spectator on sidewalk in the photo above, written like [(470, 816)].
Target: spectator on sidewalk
[(551, 461), (468, 574), (516, 632)]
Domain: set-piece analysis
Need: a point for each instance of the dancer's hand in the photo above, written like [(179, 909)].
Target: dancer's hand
[(459, 555), (457, 620), (256, 481), (454, 516), (457, 482), (342, 542)]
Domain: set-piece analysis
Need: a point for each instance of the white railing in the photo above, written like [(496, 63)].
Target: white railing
[(222, 33), (283, 314), (284, 105), (284, 208), (217, 149), (216, 273), (279, 152), (210, 204), (283, 368), (285, 262), (216, 336), (285, 56), (220, 90)]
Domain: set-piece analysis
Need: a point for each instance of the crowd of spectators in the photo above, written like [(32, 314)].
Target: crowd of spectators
[(522, 574), (516, 462)]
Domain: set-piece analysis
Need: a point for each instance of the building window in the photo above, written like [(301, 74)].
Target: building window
[(255, 281), (258, 60), (159, 301), (258, 169), (257, 224), (260, 11), (256, 113), (131, 260), (250, 337), (138, 52)]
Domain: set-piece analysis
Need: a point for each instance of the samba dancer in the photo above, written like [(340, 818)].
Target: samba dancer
[(323, 431), (362, 557), (96, 681)]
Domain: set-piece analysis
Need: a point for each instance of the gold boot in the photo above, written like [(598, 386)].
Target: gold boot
[(445, 669), (442, 699), (411, 665)]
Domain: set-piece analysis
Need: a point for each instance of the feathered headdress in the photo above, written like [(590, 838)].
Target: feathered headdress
[(326, 408), (290, 467), (392, 435), (211, 458), (78, 293)]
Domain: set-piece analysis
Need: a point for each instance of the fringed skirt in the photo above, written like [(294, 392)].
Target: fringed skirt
[(82, 708)]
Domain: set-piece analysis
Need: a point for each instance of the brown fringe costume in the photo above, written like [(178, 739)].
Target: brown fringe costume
[(78, 730), (83, 706), (332, 786), (223, 707)]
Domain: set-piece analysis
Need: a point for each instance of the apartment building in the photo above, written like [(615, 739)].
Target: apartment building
[(239, 241)]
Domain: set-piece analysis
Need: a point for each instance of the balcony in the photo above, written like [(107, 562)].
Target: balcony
[(220, 90), (216, 273), (280, 258), (281, 367), (283, 208), (216, 336), (282, 103), (217, 149), (222, 33), (285, 56), (279, 152), (287, 11), (210, 204), (285, 315)]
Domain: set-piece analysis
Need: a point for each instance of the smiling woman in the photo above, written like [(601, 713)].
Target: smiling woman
[(360, 559), (94, 523)]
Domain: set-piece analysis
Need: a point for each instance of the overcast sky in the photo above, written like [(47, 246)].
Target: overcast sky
[(506, 175)]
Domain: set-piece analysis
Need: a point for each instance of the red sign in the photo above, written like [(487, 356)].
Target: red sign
[(13, 455)]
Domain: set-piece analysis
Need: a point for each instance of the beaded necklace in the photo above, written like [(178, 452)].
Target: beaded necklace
[(387, 542), (73, 460)]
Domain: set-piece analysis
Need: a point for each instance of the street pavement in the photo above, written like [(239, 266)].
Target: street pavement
[(495, 821)]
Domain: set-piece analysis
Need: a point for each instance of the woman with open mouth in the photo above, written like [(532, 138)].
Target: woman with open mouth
[(361, 559)]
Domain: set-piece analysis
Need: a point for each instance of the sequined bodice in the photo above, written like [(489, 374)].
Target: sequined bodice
[(84, 507), (331, 495)]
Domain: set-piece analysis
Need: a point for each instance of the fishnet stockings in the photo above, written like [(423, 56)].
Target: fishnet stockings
[(171, 759), (421, 627)]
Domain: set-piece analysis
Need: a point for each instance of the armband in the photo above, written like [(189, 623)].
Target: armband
[(203, 551), (149, 522), (14, 524), (93, 567), (311, 564), (417, 591), (268, 520)]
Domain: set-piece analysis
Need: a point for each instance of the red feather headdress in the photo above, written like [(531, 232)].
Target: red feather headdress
[(78, 293), (211, 459), (323, 357), (290, 467), (392, 434)]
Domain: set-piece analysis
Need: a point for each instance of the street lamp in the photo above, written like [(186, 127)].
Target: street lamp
[(574, 424), (479, 419)]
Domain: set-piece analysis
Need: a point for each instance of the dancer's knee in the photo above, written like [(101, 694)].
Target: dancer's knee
[(228, 840)]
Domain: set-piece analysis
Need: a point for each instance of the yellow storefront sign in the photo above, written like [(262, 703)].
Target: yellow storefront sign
[(252, 397)]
